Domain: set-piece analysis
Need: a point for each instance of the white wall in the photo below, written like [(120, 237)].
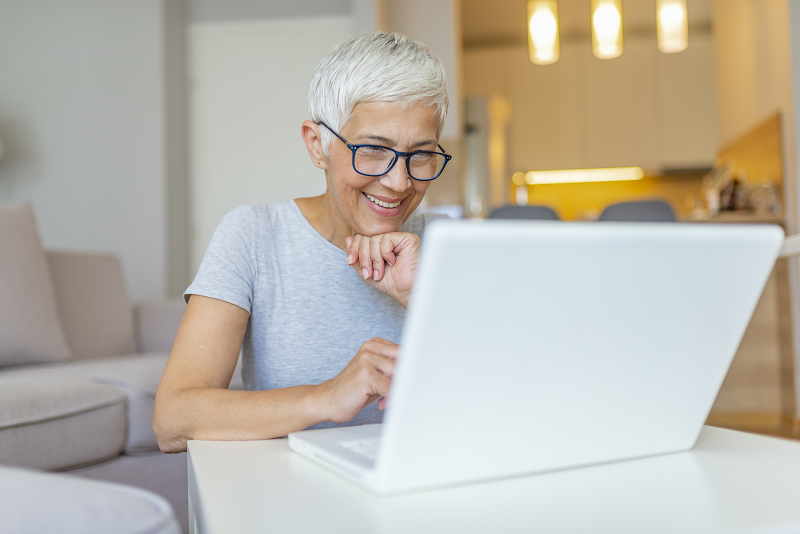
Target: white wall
[(249, 82), (440, 30), (753, 62), (241, 10), (82, 115)]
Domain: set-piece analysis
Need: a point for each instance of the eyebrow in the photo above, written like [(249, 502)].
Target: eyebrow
[(386, 141)]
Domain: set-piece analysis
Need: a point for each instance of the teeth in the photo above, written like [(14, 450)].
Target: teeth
[(381, 202)]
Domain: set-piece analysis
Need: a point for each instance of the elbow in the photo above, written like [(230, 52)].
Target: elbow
[(168, 443), (168, 437)]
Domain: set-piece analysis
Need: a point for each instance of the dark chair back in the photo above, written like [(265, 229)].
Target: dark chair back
[(542, 213), (640, 211)]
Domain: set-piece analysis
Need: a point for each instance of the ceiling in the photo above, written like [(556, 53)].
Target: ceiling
[(499, 22)]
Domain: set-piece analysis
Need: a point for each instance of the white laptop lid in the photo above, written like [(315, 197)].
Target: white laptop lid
[(534, 346)]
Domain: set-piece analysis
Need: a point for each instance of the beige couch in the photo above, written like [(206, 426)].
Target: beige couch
[(79, 366)]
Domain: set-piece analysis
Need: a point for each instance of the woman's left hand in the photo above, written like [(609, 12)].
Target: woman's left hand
[(387, 262)]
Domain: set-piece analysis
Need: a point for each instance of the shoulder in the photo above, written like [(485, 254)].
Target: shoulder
[(418, 221), (239, 218), (259, 217)]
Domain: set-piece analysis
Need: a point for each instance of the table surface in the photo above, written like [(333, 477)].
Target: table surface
[(730, 482)]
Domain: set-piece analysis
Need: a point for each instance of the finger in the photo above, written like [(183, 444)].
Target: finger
[(404, 243), (384, 347), (387, 250), (365, 258), (351, 245), (378, 263), (380, 387), (384, 364), (382, 402)]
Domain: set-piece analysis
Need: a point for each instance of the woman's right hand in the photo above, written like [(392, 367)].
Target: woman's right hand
[(365, 379), (387, 262)]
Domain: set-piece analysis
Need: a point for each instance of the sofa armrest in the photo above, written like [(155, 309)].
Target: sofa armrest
[(157, 323)]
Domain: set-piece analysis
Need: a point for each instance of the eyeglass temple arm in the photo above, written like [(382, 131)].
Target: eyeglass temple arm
[(322, 123), (342, 139)]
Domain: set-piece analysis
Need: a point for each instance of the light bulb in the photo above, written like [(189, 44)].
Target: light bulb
[(543, 43), (673, 26), (607, 28)]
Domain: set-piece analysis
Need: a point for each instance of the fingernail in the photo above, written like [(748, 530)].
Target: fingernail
[(365, 273), (375, 274), (350, 259)]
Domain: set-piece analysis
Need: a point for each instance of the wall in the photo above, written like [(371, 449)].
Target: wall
[(240, 10), (83, 97), (440, 30), (753, 58), (248, 99)]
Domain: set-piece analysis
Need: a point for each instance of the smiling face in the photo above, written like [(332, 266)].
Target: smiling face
[(357, 204)]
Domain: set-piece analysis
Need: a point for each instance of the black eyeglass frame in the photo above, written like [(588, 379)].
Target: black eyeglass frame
[(397, 155)]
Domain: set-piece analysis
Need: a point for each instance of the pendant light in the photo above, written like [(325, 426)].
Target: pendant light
[(607, 28), (543, 45), (673, 26)]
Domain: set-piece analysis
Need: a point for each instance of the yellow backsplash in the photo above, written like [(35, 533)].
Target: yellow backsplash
[(574, 202)]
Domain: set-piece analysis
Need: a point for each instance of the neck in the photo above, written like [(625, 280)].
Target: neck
[(322, 213)]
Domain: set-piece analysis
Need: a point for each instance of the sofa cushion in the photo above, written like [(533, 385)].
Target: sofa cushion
[(136, 376), (92, 303), (48, 502), (50, 422), (30, 330)]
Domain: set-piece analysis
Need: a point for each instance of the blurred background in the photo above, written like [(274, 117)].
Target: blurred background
[(133, 127)]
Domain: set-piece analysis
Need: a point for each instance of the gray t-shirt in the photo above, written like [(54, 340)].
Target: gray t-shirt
[(310, 312)]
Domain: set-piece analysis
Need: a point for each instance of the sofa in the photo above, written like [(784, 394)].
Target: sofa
[(79, 366)]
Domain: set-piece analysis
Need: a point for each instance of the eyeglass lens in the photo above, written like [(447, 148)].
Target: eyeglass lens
[(375, 161)]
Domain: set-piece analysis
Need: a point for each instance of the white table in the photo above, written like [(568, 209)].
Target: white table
[(730, 482)]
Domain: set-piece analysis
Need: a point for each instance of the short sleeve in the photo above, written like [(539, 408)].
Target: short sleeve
[(227, 271)]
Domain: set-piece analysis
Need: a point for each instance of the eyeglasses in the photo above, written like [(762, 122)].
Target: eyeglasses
[(376, 160)]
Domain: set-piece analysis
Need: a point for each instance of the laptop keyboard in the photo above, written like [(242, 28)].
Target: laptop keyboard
[(365, 447)]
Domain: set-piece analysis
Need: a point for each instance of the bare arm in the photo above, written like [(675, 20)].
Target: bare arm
[(193, 401)]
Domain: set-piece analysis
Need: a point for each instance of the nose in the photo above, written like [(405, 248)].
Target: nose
[(397, 179)]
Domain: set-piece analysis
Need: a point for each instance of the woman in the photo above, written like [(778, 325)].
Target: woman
[(314, 290)]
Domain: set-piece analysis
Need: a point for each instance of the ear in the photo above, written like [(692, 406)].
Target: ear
[(310, 134)]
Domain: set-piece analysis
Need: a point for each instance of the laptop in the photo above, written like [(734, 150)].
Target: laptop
[(535, 346)]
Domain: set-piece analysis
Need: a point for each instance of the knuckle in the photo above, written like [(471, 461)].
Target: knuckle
[(364, 374)]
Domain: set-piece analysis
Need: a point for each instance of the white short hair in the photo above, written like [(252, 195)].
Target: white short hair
[(382, 67)]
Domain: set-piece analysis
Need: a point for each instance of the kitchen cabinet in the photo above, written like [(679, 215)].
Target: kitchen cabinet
[(645, 108)]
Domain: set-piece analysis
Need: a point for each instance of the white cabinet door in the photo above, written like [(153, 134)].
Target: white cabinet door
[(621, 107), (548, 126), (648, 109), (689, 119)]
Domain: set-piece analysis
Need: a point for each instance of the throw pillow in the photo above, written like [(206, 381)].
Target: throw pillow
[(30, 329)]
